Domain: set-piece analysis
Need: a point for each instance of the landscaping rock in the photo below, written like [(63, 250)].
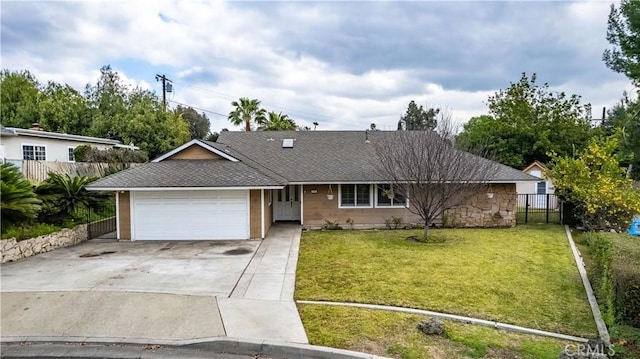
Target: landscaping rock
[(432, 326)]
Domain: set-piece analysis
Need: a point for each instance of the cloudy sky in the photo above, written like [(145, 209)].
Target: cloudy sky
[(342, 64)]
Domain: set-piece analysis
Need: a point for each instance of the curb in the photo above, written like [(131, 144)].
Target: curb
[(593, 303), (237, 346), (459, 318)]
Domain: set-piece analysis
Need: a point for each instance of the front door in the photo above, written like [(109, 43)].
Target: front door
[(287, 204)]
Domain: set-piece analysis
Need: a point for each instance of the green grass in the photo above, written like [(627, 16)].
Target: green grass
[(29, 231), (537, 217), (396, 334), (524, 275)]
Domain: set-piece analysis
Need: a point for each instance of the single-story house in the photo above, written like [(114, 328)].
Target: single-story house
[(237, 187), (537, 191), (20, 144)]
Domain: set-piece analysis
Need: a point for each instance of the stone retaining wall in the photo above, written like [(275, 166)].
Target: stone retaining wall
[(12, 250)]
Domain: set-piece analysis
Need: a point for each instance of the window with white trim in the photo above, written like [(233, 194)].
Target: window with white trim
[(72, 156), (387, 197), (355, 195), (541, 188), (34, 152)]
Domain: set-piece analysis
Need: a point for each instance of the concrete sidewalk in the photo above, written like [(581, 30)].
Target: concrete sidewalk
[(261, 306), (137, 293)]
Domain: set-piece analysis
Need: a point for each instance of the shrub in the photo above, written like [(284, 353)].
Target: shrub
[(18, 204), (615, 276), (25, 232), (331, 225), (393, 222), (87, 153), (600, 274), (63, 195)]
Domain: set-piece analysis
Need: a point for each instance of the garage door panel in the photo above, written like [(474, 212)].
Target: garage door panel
[(176, 215)]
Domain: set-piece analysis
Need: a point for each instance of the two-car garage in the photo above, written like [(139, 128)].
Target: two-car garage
[(189, 215)]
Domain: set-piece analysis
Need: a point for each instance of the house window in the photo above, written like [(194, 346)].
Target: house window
[(386, 197), (72, 157), (34, 152), (355, 195), (542, 188)]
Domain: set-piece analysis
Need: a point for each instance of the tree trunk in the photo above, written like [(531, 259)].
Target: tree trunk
[(426, 230), (247, 125)]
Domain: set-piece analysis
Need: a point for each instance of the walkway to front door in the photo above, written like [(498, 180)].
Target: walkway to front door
[(287, 203)]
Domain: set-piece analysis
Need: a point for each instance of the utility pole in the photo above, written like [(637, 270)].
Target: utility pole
[(164, 80)]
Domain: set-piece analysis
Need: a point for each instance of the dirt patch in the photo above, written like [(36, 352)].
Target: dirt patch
[(237, 251)]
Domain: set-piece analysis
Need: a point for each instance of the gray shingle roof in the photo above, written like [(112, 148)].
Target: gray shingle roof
[(188, 173), (324, 156), (316, 157)]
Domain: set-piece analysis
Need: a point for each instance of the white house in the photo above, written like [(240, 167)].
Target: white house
[(18, 144), (537, 190)]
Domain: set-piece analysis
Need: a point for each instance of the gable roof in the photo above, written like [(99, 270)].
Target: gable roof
[(325, 156), (12, 131), (206, 145), (197, 174), (535, 164)]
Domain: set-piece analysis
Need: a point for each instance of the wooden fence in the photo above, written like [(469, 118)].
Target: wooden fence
[(38, 171)]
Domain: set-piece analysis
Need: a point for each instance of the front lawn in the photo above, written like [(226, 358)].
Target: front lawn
[(395, 334), (524, 275)]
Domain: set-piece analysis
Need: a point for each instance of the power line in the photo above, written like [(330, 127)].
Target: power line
[(199, 108), (233, 98)]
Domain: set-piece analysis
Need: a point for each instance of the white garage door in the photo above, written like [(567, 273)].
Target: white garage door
[(189, 215)]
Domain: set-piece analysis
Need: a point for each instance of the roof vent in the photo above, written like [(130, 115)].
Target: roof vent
[(287, 143)]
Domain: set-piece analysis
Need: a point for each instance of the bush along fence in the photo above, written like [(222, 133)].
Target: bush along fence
[(539, 208)]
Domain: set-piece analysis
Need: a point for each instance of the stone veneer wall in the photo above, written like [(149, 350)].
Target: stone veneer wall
[(481, 211), (12, 250)]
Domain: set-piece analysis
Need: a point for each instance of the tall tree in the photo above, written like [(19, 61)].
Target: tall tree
[(199, 124), (19, 93), (426, 167), (624, 118), (623, 33), (526, 122), (418, 118), (277, 122), (63, 109), (248, 112)]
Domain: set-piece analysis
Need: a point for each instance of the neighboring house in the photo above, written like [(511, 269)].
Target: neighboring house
[(20, 144), (540, 188), (37, 152), (237, 187)]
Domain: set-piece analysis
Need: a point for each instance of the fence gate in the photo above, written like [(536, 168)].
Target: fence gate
[(99, 224), (539, 208)]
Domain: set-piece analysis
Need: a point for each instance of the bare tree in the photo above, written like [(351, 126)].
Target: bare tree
[(425, 167)]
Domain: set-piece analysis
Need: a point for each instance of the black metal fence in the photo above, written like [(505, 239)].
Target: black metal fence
[(539, 208), (100, 221)]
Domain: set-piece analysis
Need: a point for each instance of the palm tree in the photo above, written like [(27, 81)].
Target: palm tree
[(246, 111), (315, 124), (18, 201), (277, 122), (62, 195)]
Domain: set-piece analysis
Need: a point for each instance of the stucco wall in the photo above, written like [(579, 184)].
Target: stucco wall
[(268, 211), (56, 150), (481, 211), (13, 250)]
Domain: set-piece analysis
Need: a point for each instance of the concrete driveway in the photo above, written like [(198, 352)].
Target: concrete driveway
[(190, 267), (155, 291)]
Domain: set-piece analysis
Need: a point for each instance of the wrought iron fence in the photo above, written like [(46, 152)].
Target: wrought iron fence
[(100, 221), (539, 208)]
